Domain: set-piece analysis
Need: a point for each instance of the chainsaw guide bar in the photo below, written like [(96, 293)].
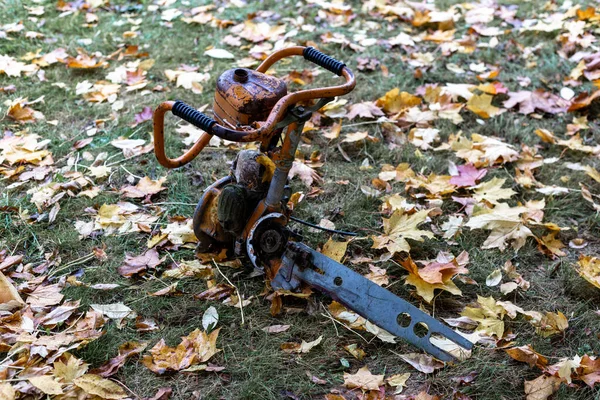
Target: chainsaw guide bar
[(369, 300)]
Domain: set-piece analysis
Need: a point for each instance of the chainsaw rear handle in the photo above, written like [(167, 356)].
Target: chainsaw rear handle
[(263, 130)]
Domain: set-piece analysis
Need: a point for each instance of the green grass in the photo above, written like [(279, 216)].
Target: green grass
[(256, 368)]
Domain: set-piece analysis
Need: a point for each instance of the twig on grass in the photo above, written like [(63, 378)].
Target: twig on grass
[(235, 287)]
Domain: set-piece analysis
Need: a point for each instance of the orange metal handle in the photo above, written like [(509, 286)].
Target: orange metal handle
[(262, 130), (159, 140)]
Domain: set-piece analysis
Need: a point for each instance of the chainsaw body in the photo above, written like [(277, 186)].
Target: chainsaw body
[(246, 212)]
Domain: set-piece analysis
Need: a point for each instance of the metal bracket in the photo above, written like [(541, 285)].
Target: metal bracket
[(300, 263), (301, 114)]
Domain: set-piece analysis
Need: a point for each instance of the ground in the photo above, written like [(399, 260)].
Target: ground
[(255, 365)]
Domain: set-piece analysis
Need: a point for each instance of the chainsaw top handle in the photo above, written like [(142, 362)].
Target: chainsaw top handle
[(265, 129)]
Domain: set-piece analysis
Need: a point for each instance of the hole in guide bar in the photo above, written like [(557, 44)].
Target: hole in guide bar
[(338, 281), (403, 319), (421, 329)]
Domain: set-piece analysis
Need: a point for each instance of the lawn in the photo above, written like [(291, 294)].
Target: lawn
[(472, 132)]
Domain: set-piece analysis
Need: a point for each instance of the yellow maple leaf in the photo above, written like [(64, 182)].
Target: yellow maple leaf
[(589, 269), (334, 250), (436, 185), (395, 101), (399, 227), (492, 191), (482, 106), (488, 315)]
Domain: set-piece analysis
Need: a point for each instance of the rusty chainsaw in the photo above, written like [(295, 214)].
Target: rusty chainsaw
[(248, 214)]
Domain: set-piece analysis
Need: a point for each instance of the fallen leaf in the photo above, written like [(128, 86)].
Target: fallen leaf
[(334, 250), (398, 381), (210, 318), (589, 269), (482, 106), (47, 384), (145, 187), (542, 387), (218, 53), (126, 351), (422, 362), (304, 347), (97, 386), (276, 328), (400, 227), (494, 278), (528, 355), (363, 379)]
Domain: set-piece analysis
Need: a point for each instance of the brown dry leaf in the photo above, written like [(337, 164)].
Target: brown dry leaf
[(590, 370), (528, 355), (363, 379), (180, 232), (136, 264), (334, 250), (18, 110), (304, 347), (426, 396), (8, 292), (145, 324), (189, 269), (422, 362), (395, 101), (366, 109), (542, 387), (47, 384), (400, 227), (196, 348), (126, 350), (85, 61), (97, 386), (436, 185), (145, 187), (378, 276), (10, 261), (358, 136), (583, 100), (589, 269), (530, 101), (44, 296)]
